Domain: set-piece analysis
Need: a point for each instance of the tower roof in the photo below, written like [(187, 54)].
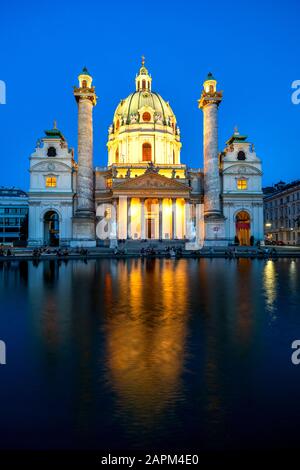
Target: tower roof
[(210, 76), (85, 71), (236, 137), (54, 133)]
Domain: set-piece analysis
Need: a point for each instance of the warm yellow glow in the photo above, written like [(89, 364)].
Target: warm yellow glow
[(151, 218), (180, 218), (85, 81), (242, 184), (122, 173), (167, 218), (135, 211), (269, 282), (145, 350), (51, 182), (166, 173), (210, 86)]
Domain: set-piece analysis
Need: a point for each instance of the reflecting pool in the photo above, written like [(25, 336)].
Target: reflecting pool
[(150, 354)]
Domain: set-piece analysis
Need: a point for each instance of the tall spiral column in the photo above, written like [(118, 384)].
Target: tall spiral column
[(84, 218)]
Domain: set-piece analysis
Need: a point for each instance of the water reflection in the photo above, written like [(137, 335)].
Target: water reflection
[(113, 350), (270, 286), (146, 346)]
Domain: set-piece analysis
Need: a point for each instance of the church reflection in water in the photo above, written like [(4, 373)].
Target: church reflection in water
[(148, 347), (124, 323), (145, 335)]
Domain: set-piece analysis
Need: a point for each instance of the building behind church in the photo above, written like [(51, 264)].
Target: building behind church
[(282, 212), (144, 192)]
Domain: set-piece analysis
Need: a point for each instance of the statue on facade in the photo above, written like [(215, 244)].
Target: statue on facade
[(152, 168), (158, 118), (134, 118)]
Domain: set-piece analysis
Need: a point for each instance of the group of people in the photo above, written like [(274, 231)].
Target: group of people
[(59, 252), (5, 251), (259, 253)]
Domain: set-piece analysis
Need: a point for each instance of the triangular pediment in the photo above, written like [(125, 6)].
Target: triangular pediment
[(241, 169), (150, 181)]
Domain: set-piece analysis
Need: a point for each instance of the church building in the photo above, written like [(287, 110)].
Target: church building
[(144, 192)]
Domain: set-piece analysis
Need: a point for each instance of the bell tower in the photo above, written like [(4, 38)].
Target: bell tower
[(84, 219)]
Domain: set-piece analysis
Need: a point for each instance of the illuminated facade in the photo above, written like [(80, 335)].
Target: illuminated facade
[(144, 192)]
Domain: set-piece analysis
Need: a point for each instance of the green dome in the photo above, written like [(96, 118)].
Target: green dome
[(137, 100)]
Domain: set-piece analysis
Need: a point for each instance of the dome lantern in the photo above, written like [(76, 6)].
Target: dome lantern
[(143, 79)]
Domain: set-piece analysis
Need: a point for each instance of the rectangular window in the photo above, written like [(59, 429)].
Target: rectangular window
[(242, 184), (51, 182)]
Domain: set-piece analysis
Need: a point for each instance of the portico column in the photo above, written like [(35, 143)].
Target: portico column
[(142, 218), (116, 228), (187, 221), (160, 222), (129, 217), (174, 232)]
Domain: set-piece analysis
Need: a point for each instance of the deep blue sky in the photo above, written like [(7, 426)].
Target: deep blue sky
[(251, 47)]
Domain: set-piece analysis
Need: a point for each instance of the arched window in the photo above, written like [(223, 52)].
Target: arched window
[(241, 155), (146, 117), (211, 89), (144, 85), (84, 84), (51, 152), (117, 124), (147, 152), (117, 156)]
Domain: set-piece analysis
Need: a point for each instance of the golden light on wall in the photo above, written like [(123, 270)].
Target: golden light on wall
[(135, 211), (167, 218), (180, 217)]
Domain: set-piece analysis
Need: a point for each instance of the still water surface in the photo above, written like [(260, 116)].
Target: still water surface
[(153, 354)]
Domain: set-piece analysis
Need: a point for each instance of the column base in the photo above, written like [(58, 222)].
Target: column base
[(193, 246), (84, 234), (214, 231)]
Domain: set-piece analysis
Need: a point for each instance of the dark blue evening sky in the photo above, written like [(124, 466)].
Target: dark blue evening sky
[(251, 48)]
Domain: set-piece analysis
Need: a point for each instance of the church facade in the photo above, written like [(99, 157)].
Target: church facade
[(144, 192)]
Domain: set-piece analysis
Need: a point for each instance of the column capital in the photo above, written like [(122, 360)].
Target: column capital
[(208, 99), (83, 94)]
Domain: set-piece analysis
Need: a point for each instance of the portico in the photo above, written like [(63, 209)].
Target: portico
[(151, 206)]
